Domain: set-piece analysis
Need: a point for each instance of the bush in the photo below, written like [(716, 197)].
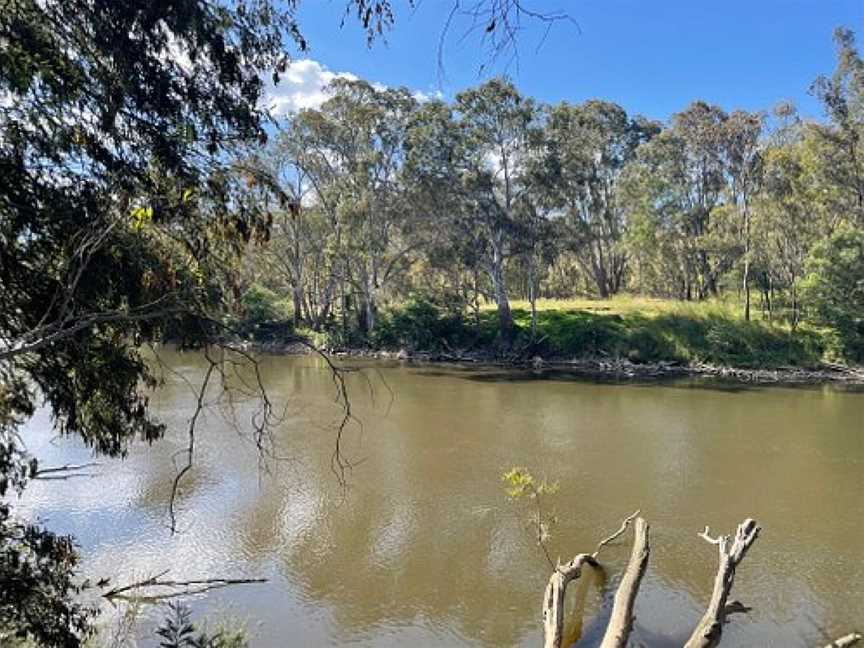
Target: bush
[(178, 631), (265, 317), (420, 325)]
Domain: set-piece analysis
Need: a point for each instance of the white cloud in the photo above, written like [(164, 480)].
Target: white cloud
[(302, 86), (423, 97)]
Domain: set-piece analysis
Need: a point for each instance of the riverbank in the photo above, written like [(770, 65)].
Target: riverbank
[(615, 369), (620, 338)]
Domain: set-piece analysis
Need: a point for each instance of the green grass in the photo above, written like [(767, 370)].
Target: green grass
[(636, 328), (649, 330)]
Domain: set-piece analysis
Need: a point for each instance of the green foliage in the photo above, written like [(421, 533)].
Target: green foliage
[(521, 483), (833, 289), (421, 325), (265, 317), (716, 335), (37, 595)]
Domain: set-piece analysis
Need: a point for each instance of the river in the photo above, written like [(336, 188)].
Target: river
[(424, 548)]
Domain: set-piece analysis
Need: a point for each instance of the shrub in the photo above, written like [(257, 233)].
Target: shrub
[(265, 316), (420, 325)]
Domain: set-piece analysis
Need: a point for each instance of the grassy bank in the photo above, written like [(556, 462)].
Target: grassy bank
[(638, 329)]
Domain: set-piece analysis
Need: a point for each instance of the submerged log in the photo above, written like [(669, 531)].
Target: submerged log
[(731, 553)]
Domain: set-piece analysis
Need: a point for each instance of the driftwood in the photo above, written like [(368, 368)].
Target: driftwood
[(553, 598), (707, 633), (731, 553), (621, 622), (848, 640)]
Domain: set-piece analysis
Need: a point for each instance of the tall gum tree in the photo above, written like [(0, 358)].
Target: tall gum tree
[(586, 148), (351, 151), (495, 123)]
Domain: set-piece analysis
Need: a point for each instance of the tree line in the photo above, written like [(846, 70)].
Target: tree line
[(377, 196)]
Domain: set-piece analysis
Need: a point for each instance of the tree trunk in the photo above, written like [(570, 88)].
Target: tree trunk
[(297, 297), (505, 318), (532, 297), (746, 280), (556, 588)]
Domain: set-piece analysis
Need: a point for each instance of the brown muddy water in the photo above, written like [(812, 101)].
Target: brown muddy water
[(425, 549)]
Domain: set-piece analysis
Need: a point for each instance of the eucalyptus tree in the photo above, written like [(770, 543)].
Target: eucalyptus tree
[(842, 96), (678, 193), (786, 218), (495, 123), (586, 148), (433, 176), (351, 152), (743, 159)]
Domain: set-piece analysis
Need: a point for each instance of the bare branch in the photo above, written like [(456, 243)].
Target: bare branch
[(499, 24), (177, 587), (190, 448), (624, 524), (69, 471)]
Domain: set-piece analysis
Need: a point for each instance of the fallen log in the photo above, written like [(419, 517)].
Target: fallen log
[(621, 621), (731, 552)]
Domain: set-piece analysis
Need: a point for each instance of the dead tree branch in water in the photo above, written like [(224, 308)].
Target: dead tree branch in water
[(553, 598), (621, 622), (707, 633), (68, 471), (176, 588), (731, 553)]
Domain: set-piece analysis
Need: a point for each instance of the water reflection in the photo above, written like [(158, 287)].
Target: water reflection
[(425, 549)]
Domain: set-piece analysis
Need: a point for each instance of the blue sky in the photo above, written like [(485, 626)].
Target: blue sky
[(652, 57)]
